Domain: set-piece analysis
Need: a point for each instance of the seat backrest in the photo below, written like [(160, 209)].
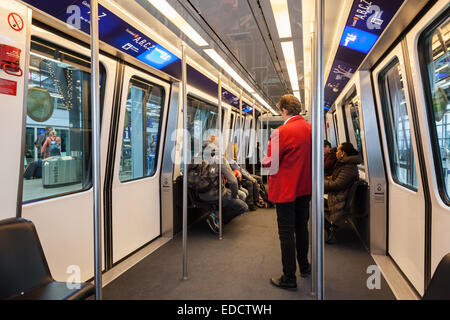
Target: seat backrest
[(22, 261), (439, 288), (358, 183)]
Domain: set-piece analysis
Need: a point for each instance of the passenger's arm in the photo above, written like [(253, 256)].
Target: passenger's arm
[(44, 146), (231, 179), (246, 175), (272, 159), (342, 181)]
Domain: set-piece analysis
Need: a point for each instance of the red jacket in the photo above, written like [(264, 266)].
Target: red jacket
[(290, 172)]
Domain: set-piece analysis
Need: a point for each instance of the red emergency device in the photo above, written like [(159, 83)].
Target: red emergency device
[(10, 60)]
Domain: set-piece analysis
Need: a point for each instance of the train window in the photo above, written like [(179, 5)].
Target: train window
[(335, 124), (141, 130), (58, 123), (202, 121), (435, 47), (397, 128), (353, 110)]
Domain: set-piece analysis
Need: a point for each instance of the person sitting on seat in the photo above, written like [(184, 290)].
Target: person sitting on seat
[(338, 185), (248, 182), (330, 158), (232, 202)]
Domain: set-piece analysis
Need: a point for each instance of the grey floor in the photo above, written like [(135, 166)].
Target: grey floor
[(240, 266)]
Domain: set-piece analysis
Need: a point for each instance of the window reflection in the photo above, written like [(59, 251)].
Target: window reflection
[(397, 128), (141, 130), (437, 47), (58, 126)]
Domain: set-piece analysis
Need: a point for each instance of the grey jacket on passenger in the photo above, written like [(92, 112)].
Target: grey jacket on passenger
[(338, 185), (233, 186), (234, 166)]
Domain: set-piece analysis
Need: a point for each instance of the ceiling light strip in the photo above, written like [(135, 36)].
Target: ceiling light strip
[(170, 13), (289, 58), (226, 67), (281, 14)]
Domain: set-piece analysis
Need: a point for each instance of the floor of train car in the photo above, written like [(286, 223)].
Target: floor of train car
[(240, 266)]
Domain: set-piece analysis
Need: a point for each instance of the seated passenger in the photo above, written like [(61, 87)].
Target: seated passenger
[(243, 192), (338, 185), (249, 183), (330, 158), (232, 206), (232, 202)]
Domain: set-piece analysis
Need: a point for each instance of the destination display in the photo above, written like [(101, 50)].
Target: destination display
[(366, 21), (112, 30)]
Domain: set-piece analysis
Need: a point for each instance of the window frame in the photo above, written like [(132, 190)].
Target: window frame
[(136, 78), (61, 54), (335, 125), (435, 147), (384, 99)]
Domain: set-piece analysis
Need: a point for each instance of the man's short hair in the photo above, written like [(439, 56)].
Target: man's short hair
[(290, 103), (327, 143)]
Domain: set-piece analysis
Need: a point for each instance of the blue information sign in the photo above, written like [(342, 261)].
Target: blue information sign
[(112, 30), (357, 40)]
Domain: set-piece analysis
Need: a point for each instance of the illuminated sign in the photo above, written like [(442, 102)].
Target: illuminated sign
[(357, 39), (366, 22), (111, 30)]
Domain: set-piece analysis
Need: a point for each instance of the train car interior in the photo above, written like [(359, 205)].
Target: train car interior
[(106, 186)]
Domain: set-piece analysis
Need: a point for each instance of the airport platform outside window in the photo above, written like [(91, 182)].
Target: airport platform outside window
[(59, 101)]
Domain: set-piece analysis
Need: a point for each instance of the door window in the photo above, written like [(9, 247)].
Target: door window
[(435, 48), (396, 118), (58, 124), (141, 130)]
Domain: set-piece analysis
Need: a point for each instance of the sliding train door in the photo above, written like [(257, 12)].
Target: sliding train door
[(428, 45), (58, 198), (136, 218), (406, 199)]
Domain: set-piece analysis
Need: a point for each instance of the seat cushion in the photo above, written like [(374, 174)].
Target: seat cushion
[(57, 291)]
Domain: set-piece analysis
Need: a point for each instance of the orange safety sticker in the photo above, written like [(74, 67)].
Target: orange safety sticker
[(8, 87)]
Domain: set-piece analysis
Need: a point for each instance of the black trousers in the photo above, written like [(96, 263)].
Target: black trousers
[(292, 220)]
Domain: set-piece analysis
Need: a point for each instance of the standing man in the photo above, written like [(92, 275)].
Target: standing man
[(40, 140), (289, 162)]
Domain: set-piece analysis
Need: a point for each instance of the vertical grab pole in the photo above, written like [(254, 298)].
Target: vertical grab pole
[(241, 130), (95, 113), (313, 107), (317, 150), (185, 158), (219, 95), (268, 138), (254, 156)]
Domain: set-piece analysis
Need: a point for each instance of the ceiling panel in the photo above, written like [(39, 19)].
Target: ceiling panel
[(247, 29)]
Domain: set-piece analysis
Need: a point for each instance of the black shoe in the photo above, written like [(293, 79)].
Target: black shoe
[(252, 207), (284, 283), (306, 271), (212, 225)]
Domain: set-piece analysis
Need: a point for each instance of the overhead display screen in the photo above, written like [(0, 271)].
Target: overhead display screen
[(358, 40), (112, 30), (248, 109), (366, 22)]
